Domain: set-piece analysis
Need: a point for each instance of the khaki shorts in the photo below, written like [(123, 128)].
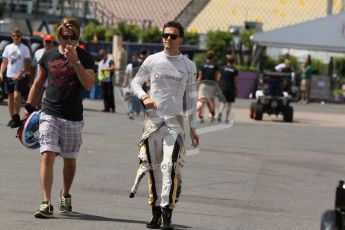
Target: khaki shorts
[(206, 91), (60, 136), (304, 84)]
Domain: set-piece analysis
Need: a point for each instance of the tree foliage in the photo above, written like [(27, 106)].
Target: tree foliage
[(245, 38), (129, 32), (93, 32), (109, 33), (339, 64), (151, 35), (220, 43), (191, 38)]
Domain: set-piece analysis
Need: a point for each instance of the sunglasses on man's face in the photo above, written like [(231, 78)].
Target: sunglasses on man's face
[(172, 36), (69, 37)]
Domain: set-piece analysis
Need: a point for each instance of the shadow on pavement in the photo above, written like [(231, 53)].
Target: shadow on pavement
[(82, 216)]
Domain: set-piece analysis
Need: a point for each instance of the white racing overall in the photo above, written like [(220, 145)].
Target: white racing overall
[(173, 88)]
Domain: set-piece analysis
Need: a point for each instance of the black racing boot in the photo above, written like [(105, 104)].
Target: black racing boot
[(166, 216), (156, 220)]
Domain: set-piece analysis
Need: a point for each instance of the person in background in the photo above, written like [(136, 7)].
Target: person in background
[(16, 60), (284, 67), (142, 56), (132, 68), (106, 68), (48, 43), (228, 81), (82, 46), (286, 84), (207, 86), (306, 72)]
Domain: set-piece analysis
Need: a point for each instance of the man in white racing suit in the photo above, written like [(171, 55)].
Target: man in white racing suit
[(172, 96)]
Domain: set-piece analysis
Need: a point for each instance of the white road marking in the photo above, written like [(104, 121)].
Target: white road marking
[(208, 129)]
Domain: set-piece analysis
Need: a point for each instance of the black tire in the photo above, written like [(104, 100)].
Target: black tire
[(288, 114), (259, 110), (329, 220)]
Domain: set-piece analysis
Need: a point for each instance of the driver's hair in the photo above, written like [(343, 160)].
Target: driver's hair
[(70, 23)]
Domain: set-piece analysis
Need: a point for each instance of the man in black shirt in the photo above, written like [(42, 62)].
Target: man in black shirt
[(68, 69), (228, 78)]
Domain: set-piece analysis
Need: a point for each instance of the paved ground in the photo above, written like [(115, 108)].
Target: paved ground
[(265, 175)]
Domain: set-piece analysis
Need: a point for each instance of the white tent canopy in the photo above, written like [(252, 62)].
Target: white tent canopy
[(323, 34)]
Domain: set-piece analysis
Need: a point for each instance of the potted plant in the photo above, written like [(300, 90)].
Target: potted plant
[(247, 80), (338, 94), (342, 83)]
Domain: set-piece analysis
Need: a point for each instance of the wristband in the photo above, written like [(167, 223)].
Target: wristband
[(30, 108)]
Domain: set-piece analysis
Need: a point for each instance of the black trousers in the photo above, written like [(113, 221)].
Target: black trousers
[(108, 96)]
